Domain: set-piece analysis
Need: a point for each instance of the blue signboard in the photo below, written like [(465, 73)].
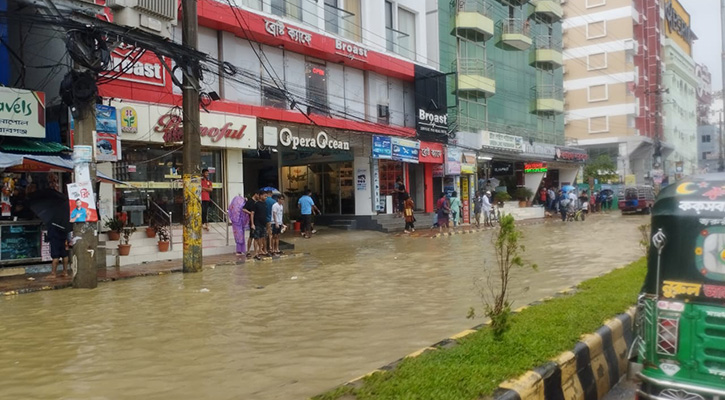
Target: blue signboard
[(405, 150), (382, 147), (106, 119)]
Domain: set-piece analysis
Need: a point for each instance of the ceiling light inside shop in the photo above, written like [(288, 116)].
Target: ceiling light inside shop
[(485, 158)]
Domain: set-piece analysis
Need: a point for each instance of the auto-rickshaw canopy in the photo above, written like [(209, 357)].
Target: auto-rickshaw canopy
[(690, 217)]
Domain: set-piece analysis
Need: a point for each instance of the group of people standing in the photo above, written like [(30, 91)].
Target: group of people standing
[(448, 210), (566, 202)]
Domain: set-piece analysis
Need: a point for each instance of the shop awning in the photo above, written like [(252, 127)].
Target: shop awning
[(30, 146), (41, 163)]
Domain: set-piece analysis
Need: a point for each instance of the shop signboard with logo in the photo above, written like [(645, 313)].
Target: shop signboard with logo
[(158, 124), (501, 168), (431, 110), (534, 167), (571, 154), (465, 201), (129, 120), (677, 25), (405, 150), (468, 163), (453, 160), (382, 147), (133, 64), (503, 141), (431, 153), (22, 113)]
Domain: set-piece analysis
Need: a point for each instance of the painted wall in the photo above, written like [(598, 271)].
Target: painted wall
[(363, 193)]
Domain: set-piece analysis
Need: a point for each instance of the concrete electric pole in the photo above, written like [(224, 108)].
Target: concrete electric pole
[(192, 144)]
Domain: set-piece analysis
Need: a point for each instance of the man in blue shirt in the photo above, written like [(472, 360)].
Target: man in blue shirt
[(307, 206), (79, 213)]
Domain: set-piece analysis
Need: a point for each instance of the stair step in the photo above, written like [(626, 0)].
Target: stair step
[(341, 226)]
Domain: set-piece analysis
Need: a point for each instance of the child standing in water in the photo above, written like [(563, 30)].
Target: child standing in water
[(408, 206)]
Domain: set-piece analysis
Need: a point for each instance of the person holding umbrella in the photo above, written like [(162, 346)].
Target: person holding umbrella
[(58, 239), (44, 204)]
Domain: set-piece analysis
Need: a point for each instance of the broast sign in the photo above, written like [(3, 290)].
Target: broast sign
[(286, 138)]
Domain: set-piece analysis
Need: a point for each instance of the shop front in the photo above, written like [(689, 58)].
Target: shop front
[(460, 177), (151, 160), (333, 164), (431, 159), (396, 158)]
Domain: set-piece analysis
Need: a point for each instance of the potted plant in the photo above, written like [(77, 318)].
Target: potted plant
[(164, 232), (124, 247), (115, 226), (151, 229), (523, 195), (502, 197)]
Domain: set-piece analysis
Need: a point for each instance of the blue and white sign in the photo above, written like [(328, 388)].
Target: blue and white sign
[(106, 119), (406, 150), (382, 147)]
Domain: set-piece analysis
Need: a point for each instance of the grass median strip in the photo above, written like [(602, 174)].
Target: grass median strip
[(480, 363)]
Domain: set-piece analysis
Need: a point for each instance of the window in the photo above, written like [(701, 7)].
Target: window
[(706, 155), (255, 4), (389, 31), (287, 8), (705, 138), (599, 124), (595, 3), (406, 26), (631, 121), (598, 93), (317, 88), (273, 97), (596, 29), (596, 61)]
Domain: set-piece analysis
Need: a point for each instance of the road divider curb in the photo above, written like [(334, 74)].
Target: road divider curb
[(589, 371), (488, 228)]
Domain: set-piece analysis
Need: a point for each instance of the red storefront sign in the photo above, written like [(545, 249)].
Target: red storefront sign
[(133, 64), (431, 153)]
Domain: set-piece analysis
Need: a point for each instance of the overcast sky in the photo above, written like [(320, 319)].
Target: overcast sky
[(705, 22)]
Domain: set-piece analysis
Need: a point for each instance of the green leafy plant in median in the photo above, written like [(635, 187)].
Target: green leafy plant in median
[(480, 362), (495, 292)]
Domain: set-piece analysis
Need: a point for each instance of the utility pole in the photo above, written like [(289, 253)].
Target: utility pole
[(84, 250), (721, 165), (192, 144), (721, 159)]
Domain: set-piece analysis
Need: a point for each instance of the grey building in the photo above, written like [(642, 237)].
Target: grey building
[(708, 138)]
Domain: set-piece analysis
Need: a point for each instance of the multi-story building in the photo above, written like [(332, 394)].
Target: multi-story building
[(681, 85), (611, 80), (708, 148), (504, 60)]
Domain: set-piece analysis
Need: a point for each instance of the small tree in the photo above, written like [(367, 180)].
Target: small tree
[(602, 169), (495, 293)]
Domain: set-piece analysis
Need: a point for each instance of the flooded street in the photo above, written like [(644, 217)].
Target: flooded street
[(287, 329)]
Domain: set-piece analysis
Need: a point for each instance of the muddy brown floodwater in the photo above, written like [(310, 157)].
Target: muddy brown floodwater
[(288, 329)]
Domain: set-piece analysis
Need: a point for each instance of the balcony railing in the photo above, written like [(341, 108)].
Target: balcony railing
[(553, 92), (342, 22), (473, 66), (400, 43), (547, 42), (477, 6), (517, 26)]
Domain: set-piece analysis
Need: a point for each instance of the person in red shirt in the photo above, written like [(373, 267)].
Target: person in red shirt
[(206, 188)]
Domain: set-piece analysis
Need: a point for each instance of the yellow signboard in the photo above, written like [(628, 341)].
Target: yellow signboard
[(630, 180), (677, 25)]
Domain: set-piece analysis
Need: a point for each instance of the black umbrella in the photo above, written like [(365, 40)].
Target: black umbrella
[(51, 206)]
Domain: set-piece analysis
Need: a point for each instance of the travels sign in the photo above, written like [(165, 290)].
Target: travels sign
[(677, 25), (22, 113)]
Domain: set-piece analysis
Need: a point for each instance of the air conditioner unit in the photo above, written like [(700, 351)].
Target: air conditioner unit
[(156, 16), (383, 111)]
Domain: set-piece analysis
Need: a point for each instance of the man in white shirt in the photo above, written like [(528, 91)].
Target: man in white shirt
[(486, 209), (277, 224)]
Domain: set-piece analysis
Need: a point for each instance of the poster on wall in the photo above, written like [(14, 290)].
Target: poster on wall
[(376, 189), (405, 150), (465, 201), (382, 147), (108, 147), (106, 119), (82, 202), (453, 161), (361, 176)]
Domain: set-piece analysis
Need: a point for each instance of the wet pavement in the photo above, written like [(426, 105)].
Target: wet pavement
[(287, 329)]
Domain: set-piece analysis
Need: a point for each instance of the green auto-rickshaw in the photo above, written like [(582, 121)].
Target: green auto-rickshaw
[(680, 335)]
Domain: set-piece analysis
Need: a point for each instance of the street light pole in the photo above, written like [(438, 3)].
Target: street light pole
[(192, 145)]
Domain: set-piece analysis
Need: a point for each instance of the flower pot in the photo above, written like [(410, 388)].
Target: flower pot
[(522, 203), (113, 235), (164, 245), (150, 232), (124, 249)]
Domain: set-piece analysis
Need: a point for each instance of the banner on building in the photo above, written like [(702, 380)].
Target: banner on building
[(22, 113), (453, 161), (468, 163), (382, 147), (82, 202), (405, 150), (503, 141)]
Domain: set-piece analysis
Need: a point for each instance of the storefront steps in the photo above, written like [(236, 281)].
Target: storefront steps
[(524, 213), (145, 249), (390, 223)]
